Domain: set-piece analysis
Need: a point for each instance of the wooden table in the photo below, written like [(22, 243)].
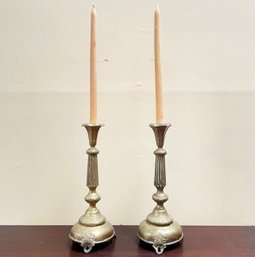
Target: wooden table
[(53, 241)]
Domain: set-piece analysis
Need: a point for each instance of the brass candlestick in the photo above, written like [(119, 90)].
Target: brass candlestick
[(159, 229), (92, 227)]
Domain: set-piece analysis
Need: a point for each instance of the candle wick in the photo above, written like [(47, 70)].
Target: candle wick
[(93, 5)]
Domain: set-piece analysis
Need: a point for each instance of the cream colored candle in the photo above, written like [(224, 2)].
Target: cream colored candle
[(158, 78), (93, 78)]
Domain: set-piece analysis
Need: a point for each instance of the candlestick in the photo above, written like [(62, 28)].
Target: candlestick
[(93, 78), (159, 229), (158, 77), (92, 227)]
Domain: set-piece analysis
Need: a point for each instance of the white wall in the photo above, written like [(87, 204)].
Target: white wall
[(208, 59)]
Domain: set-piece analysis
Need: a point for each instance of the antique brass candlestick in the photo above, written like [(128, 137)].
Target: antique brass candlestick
[(159, 229), (92, 227)]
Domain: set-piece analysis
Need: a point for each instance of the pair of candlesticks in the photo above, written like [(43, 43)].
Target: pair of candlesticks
[(158, 229)]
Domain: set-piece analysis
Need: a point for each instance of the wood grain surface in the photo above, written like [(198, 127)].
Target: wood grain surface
[(199, 241)]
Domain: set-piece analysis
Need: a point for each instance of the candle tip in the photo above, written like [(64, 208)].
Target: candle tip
[(93, 5)]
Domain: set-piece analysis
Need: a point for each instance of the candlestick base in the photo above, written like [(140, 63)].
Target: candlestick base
[(160, 236), (159, 229), (92, 227), (88, 237)]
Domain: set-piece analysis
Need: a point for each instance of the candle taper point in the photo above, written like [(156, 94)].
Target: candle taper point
[(157, 4), (157, 8)]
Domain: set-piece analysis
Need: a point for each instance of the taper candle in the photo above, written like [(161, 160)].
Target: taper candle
[(158, 78), (93, 78)]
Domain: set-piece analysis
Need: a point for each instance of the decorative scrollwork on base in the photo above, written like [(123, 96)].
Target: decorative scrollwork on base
[(159, 243), (88, 241)]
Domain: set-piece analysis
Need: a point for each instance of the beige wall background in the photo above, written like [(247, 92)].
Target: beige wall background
[(208, 60)]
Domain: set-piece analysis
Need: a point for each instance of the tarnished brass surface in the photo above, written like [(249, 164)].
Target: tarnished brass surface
[(92, 227), (159, 229)]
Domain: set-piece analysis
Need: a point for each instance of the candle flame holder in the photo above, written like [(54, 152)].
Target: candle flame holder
[(159, 229), (92, 227)]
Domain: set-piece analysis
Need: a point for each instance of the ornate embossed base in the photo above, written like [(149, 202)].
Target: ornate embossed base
[(159, 229), (92, 227)]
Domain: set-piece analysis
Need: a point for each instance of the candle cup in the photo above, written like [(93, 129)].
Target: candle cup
[(159, 229), (92, 227)]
